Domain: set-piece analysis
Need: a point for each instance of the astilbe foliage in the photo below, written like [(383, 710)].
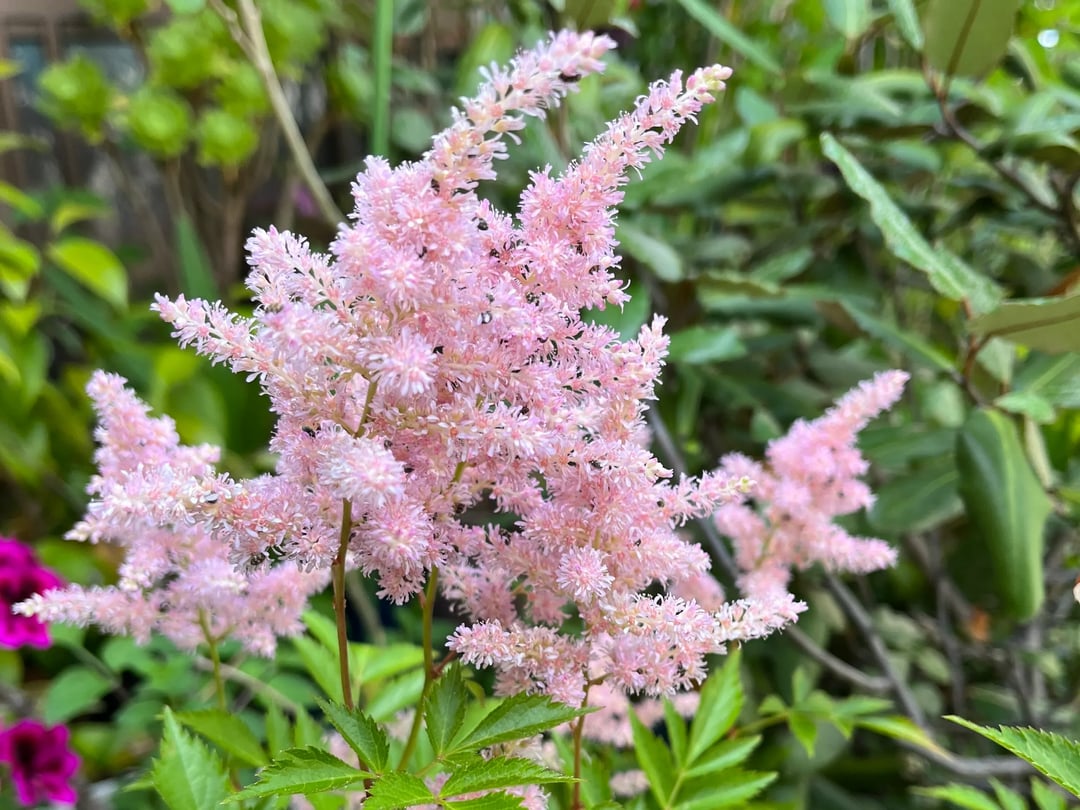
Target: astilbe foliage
[(435, 364)]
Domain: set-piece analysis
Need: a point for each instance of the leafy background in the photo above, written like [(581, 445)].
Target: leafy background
[(884, 184)]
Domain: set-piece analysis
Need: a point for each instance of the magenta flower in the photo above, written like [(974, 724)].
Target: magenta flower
[(40, 761), (22, 576)]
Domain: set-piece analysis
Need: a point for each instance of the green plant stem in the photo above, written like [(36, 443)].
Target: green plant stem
[(249, 36), (427, 602), (215, 659), (256, 685), (337, 570), (382, 55)]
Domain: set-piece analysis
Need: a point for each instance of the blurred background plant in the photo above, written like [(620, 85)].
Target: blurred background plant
[(885, 184)]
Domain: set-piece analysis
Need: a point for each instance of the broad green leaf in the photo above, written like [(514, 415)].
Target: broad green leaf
[(361, 733), (1052, 755), (730, 35), (394, 791), (723, 755), (499, 772), (445, 709), (20, 201), (322, 664), (1007, 506), (390, 660), (188, 775), (850, 17), (961, 796), (967, 37), (1054, 378), (655, 760), (302, 770), (676, 733), (515, 718), (907, 20), (732, 789), (651, 251), (947, 273), (705, 344), (721, 702), (94, 266), (1027, 403), (228, 732), (925, 497), (395, 695), (1048, 324), (74, 691)]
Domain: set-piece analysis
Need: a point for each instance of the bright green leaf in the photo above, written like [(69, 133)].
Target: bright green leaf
[(499, 772), (655, 760), (72, 692), (721, 702), (730, 35), (188, 775), (723, 755), (653, 252), (518, 717), (20, 201), (705, 344), (444, 711), (302, 770), (394, 791), (907, 20), (228, 732), (850, 17), (967, 37), (94, 266), (960, 795), (363, 734), (732, 789)]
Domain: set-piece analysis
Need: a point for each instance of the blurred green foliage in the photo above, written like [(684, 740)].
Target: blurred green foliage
[(884, 184)]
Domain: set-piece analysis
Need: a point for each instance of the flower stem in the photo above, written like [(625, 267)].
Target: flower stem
[(215, 659), (337, 570), (427, 601)]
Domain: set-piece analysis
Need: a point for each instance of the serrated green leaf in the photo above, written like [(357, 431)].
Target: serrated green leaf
[(947, 273), (721, 702), (362, 734), (302, 770), (445, 709), (730, 35), (515, 718), (489, 801), (960, 795), (1051, 754), (676, 733), (728, 790), (394, 791), (188, 776), (723, 755), (1007, 506), (655, 760), (499, 772), (228, 732), (94, 266), (1050, 325)]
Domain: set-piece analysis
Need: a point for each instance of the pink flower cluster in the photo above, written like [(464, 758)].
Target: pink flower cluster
[(434, 365), (811, 476), (176, 578)]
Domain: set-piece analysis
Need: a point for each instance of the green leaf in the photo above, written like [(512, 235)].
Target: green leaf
[(1007, 506), (651, 251), (188, 775), (499, 772), (302, 770), (805, 729), (68, 212), (397, 790), (74, 691), (225, 139), (967, 37), (911, 344), (321, 664), (898, 727), (730, 35), (1051, 754), (1046, 798), (20, 201), (445, 709), (723, 755), (515, 718), (676, 733), (228, 732), (721, 702), (1055, 379), (925, 497), (490, 801), (77, 95), (850, 17), (159, 121), (94, 266), (732, 789), (655, 760), (907, 20), (705, 344), (196, 272), (361, 733), (185, 6), (947, 273), (1048, 324), (1008, 799), (960, 795)]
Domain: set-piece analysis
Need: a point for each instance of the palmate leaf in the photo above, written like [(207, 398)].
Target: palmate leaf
[(302, 770), (1050, 754)]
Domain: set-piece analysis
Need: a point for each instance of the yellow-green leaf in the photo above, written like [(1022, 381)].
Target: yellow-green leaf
[(967, 37), (94, 266)]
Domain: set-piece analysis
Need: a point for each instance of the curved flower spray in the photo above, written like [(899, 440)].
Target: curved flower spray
[(436, 361)]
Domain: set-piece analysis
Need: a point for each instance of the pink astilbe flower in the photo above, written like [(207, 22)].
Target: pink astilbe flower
[(22, 576), (40, 761), (811, 476), (176, 578)]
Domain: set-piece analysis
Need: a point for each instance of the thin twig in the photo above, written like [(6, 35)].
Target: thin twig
[(247, 32)]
